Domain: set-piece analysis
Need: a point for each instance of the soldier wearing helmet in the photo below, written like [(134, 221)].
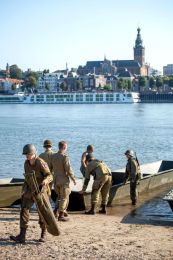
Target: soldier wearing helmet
[(102, 183), (132, 174), (43, 177), (46, 155), (89, 150)]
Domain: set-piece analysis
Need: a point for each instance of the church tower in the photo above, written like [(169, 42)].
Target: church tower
[(7, 71), (139, 50)]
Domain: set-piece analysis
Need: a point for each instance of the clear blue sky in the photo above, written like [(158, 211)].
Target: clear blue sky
[(45, 34)]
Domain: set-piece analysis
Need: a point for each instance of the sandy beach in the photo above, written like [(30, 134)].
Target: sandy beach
[(88, 237)]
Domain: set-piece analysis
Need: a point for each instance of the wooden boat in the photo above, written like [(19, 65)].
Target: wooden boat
[(155, 175)]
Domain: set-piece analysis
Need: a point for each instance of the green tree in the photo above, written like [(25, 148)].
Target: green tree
[(165, 80), (129, 84), (159, 82), (142, 81), (63, 86), (152, 82), (108, 87), (170, 82), (32, 74), (15, 72), (78, 85), (30, 82), (45, 71), (121, 84)]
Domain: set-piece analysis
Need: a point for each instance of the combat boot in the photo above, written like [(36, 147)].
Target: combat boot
[(103, 209), (55, 212), (43, 235), (65, 214), (92, 211), (133, 202), (21, 237), (61, 217)]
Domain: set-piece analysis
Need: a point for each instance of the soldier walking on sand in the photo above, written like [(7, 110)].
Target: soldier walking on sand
[(43, 177), (89, 150), (133, 174), (63, 173), (102, 183)]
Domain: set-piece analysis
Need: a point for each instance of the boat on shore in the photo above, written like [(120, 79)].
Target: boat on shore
[(10, 191), (154, 175), (71, 98)]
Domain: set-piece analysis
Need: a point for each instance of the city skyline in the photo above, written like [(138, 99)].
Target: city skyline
[(47, 35)]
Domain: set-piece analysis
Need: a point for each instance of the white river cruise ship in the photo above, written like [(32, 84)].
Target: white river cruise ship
[(71, 98)]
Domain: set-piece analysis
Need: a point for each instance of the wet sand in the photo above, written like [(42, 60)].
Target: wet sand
[(114, 236)]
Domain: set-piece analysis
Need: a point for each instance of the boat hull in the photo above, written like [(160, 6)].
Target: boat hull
[(10, 192), (147, 184)]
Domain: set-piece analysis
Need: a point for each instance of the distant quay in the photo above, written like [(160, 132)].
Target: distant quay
[(156, 97)]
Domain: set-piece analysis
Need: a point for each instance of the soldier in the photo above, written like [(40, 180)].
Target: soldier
[(89, 150), (132, 174), (46, 156), (102, 183), (43, 177), (63, 173)]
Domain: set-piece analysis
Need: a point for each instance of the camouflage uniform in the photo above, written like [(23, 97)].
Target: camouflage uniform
[(133, 175), (63, 172), (102, 180), (42, 172)]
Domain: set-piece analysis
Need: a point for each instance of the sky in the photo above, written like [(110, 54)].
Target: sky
[(47, 34)]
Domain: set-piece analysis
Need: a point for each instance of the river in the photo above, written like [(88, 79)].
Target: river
[(111, 128)]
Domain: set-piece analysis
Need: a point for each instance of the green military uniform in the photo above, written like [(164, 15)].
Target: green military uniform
[(42, 172), (133, 175), (83, 167), (102, 180), (63, 172), (46, 156)]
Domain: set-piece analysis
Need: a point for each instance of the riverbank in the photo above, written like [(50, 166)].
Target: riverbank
[(88, 237)]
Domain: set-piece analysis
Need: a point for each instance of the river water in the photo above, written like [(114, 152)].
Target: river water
[(111, 128)]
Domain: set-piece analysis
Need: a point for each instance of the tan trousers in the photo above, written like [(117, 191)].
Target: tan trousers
[(62, 200), (25, 213), (102, 185)]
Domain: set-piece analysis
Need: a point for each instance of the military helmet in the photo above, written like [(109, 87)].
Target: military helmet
[(29, 148), (47, 143), (130, 152), (90, 147)]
